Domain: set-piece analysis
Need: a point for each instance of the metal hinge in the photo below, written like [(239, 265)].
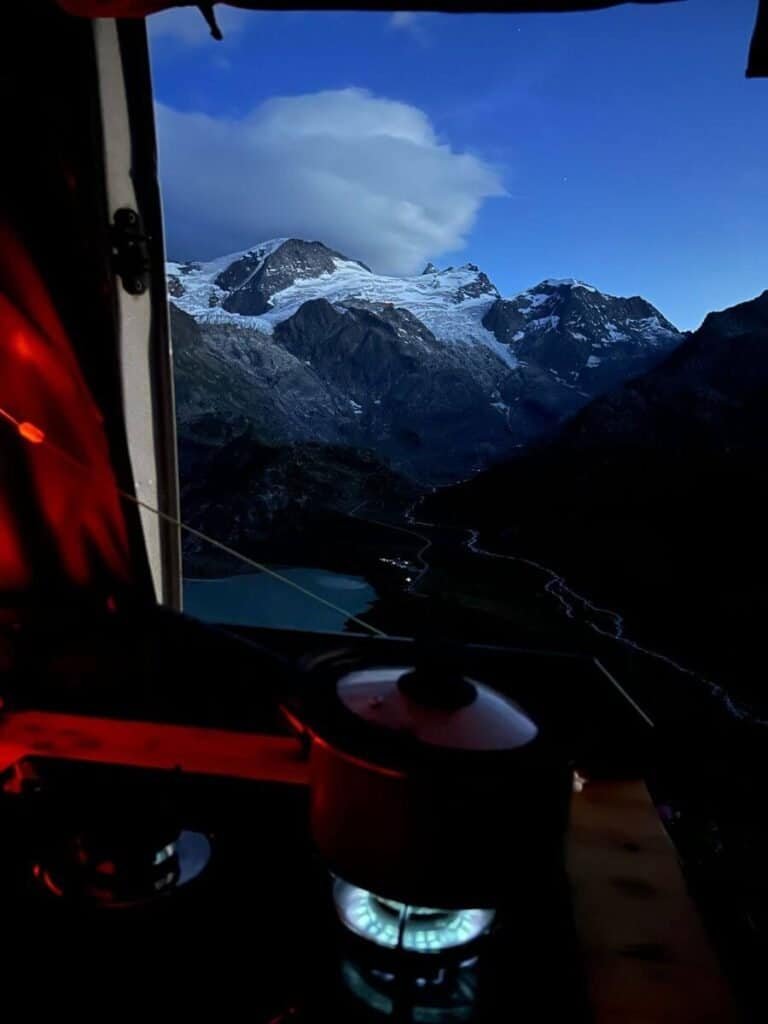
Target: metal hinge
[(130, 251)]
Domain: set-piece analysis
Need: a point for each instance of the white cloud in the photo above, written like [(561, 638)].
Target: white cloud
[(412, 22), (186, 25), (404, 19), (364, 174)]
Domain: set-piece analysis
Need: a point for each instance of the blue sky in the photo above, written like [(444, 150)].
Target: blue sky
[(622, 147)]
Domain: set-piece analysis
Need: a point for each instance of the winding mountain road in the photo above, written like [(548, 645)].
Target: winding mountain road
[(575, 606), (605, 621)]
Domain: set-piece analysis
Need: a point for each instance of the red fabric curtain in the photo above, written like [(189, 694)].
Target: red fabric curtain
[(56, 463)]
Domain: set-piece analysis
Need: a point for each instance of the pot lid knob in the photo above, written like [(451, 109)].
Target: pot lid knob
[(437, 680)]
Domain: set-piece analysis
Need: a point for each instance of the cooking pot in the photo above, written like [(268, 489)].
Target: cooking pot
[(429, 787)]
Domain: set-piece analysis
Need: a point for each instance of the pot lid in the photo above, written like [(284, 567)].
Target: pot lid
[(453, 714)]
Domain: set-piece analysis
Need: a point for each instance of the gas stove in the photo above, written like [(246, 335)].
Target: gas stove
[(264, 924), (207, 885)]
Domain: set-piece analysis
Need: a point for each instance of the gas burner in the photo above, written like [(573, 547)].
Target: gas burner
[(433, 996), (107, 875), (393, 925)]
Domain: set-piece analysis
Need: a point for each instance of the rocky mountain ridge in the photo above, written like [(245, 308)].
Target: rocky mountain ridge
[(437, 374)]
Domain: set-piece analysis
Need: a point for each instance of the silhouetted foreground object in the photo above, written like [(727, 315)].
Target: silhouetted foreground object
[(758, 55)]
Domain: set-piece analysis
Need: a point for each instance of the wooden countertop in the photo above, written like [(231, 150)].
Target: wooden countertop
[(647, 957)]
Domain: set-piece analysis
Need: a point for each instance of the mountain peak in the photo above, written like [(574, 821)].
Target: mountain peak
[(582, 337), (305, 246), (255, 278), (565, 282)]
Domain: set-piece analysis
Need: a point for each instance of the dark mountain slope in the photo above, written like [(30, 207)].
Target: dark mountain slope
[(267, 502), (653, 500)]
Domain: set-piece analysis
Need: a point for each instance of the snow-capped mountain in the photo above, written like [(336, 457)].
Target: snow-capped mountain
[(438, 374), (581, 335), (268, 284)]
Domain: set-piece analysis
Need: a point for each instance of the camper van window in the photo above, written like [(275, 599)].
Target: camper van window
[(469, 326)]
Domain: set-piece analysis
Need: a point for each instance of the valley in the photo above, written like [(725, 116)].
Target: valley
[(566, 450)]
